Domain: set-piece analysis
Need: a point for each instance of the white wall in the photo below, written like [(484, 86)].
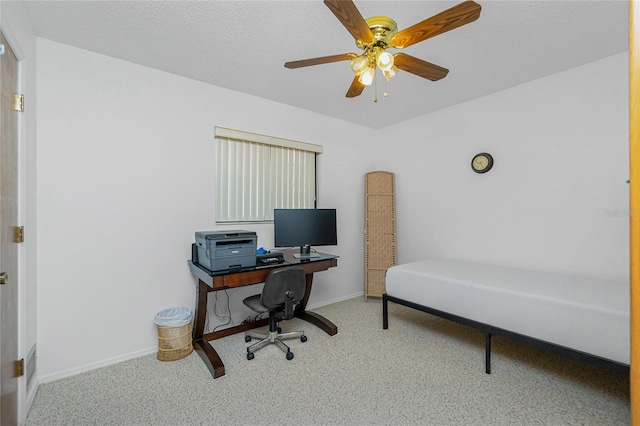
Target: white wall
[(126, 176), (556, 198)]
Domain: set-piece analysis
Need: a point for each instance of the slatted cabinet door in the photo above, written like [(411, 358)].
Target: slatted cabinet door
[(380, 230)]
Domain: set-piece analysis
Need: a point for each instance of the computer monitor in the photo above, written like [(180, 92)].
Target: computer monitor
[(304, 228)]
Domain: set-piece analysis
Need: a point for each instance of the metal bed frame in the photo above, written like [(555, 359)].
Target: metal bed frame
[(489, 330)]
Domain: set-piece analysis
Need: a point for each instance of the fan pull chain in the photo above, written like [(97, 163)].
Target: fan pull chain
[(375, 87)]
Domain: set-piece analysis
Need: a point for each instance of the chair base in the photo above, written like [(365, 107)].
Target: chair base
[(269, 338)]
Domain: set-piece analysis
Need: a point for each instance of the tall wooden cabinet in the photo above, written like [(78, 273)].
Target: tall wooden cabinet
[(380, 230)]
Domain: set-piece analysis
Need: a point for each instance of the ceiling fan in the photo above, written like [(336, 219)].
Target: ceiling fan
[(379, 33)]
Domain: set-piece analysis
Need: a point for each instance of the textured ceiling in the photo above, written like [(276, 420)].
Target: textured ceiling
[(242, 46)]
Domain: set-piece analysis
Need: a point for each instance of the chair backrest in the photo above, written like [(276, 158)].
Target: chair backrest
[(279, 283)]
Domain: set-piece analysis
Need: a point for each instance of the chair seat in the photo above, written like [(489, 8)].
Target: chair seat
[(283, 289), (253, 302)]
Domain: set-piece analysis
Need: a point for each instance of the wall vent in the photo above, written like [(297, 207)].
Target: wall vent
[(31, 365)]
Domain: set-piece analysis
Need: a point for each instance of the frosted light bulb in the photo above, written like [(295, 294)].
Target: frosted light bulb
[(385, 61), (367, 76)]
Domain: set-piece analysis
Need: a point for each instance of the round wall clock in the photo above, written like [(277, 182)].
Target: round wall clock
[(482, 163)]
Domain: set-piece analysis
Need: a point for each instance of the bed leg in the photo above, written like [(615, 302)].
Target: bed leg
[(487, 352), (385, 312)]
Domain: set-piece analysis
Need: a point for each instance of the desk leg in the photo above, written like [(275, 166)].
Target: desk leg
[(203, 348), (315, 319), (200, 314), (210, 357)]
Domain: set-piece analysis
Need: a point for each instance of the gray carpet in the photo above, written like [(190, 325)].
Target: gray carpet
[(422, 371)]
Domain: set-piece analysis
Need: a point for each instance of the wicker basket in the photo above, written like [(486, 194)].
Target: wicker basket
[(174, 343)]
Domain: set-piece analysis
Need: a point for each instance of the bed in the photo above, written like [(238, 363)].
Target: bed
[(585, 318)]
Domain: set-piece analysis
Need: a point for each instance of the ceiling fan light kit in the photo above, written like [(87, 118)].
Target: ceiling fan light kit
[(377, 34), (374, 53)]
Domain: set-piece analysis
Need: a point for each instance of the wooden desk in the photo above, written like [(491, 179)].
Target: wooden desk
[(214, 281)]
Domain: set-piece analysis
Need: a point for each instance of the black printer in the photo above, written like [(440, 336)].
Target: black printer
[(221, 250)]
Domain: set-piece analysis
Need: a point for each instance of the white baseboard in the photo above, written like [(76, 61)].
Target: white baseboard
[(340, 299), (92, 366)]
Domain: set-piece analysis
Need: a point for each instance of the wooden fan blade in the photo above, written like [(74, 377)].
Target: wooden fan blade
[(419, 67), (454, 17), (349, 15), (320, 60), (355, 89)]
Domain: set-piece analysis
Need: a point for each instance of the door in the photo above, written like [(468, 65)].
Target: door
[(8, 246)]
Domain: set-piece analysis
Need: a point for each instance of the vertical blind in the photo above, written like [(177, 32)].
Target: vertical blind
[(258, 173)]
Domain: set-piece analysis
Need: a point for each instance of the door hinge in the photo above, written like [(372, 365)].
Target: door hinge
[(20, 368), (17, 102), (18, 234)]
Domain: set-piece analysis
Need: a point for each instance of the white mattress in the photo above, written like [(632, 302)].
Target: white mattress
[(586, 314)]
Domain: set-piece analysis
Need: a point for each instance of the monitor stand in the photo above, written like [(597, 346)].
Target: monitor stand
[(305, 253)]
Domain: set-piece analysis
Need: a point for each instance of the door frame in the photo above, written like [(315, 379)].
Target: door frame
[(634, 205)]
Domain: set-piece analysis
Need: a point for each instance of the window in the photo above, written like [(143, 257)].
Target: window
[(257, 174)]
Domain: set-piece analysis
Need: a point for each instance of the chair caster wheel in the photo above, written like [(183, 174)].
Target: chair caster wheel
[(250, 356), (279, 330), (303, 338), (247, 339), (289, 355)]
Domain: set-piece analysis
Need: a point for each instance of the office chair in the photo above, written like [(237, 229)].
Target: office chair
[(283, 289)]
